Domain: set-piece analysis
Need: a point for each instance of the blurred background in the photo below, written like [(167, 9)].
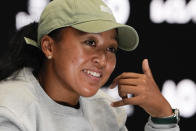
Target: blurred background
[(167, 31)]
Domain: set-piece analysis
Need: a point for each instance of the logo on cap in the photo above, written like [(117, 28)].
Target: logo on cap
[(105, 9)]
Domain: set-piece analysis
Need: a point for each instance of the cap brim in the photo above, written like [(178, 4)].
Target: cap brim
[(128, 38)]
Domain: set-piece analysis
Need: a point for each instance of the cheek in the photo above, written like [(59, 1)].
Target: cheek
[(66, 63), (77, 61), (111, 65), (71, 57)]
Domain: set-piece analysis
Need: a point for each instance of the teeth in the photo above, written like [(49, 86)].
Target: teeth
[(95, 74)]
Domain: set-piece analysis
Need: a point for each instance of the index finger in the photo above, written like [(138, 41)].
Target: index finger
[(125, 75)]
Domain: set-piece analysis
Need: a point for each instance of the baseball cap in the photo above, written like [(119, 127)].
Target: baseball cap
[(91, 16)]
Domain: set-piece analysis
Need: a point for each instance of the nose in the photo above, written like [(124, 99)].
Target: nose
[(100, 59)]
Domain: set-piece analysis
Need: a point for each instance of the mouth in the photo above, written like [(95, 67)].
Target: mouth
[(93, 74)]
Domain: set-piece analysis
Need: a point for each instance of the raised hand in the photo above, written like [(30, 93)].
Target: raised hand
[(145, 91)]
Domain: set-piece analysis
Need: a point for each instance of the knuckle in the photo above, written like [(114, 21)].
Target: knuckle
[(144, 81), (124, 74)]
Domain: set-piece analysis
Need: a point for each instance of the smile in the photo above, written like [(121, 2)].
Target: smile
[(92, 73)]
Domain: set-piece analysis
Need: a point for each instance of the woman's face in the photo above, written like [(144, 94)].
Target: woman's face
[(83, 62)]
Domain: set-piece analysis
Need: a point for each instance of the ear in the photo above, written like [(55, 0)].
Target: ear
[(47, 46)]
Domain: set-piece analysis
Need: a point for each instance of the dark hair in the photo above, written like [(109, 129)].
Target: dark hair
[(20, 54)]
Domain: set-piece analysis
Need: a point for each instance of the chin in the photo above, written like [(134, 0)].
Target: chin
[(88, 93)]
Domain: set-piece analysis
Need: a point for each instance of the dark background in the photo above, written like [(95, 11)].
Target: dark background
[(169, 48)]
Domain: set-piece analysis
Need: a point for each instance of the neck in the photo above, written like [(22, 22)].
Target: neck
[(56, 89)]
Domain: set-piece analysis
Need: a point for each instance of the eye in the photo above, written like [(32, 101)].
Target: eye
[(112, 49), (90, 42)]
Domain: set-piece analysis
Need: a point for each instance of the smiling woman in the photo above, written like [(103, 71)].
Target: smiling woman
[(80, 63), (56, 67)]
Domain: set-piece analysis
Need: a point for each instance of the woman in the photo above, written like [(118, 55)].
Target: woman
[(52, 82)]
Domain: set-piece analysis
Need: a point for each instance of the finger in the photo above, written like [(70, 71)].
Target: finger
[(124, 91), (123, 95), (119, 103), (146, 68), (113, 84), (129, 89), (124, 75), (128, 101), (131, 82)]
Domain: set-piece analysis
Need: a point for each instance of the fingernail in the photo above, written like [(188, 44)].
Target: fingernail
[(146, 62)]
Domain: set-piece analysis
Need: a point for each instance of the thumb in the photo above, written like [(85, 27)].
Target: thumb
[(146, 68)]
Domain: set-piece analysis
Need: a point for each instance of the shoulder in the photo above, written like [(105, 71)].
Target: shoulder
[(16, 94)]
